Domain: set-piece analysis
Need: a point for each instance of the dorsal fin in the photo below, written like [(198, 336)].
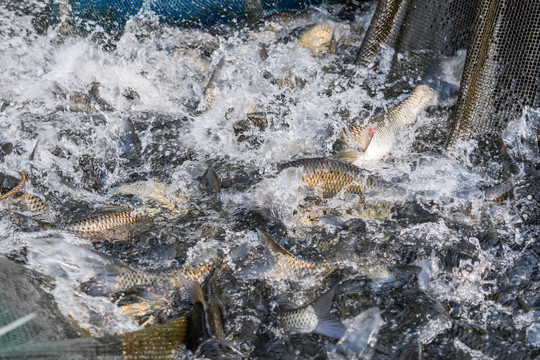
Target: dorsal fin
[(271, 244)]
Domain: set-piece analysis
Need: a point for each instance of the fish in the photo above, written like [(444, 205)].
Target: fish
[(286, 261), (156, 197), (206, 335), (24, 200), (108, 221), (499, 192), (479, 339), (90, 102), (123, 279), (332, 176), (376, 139), (317, 38), (156, 342), (313, 318), (30, 202), (16, 188), (212, 180), (209, 93)]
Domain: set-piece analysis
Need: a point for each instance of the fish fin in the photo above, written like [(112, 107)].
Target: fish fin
[(114, 208), (196, 294), (101, 285), (45, 224), (212, 180), (332, 220), (347, 157), (271, 244), (328, 324), (239, 252)]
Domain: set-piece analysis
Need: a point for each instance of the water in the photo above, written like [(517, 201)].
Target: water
[(470, 260)]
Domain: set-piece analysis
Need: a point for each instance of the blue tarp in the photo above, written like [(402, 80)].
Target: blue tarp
[(113, 14)]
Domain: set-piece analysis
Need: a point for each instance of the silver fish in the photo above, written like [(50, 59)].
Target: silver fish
[(376, 140), (314, 317)]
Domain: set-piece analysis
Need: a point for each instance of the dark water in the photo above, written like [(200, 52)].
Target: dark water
[(432, 256)]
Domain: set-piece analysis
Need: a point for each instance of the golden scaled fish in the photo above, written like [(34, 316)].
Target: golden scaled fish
[(332, 176), (29, 202), (123, 279), (285, 261), (157, 342), (100, 223), (376, 139), (206, 336)]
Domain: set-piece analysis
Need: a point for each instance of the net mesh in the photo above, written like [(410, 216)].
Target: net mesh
[(501, 76)]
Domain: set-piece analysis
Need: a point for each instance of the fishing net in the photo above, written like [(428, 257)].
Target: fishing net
[(501, 75)]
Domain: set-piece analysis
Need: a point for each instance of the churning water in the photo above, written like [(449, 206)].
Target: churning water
[(430, 253)]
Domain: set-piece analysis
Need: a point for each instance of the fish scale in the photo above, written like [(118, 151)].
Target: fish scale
[(303, 319), (375, 140), (332, 176), (101, 222)]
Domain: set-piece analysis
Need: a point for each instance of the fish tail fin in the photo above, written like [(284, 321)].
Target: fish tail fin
[(271, 244), (328, 324), (434, 78), (101, 285), (196, 293), (239, 252), (44, 224), (347, 157)]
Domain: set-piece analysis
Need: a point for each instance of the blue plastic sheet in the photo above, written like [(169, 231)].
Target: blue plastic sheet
[(113, 14)]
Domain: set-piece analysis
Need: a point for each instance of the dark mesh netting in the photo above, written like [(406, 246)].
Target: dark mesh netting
[(502, 69)]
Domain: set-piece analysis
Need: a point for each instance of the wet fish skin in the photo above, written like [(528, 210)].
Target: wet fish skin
[(376, 139), (213, 180), (30, 202), (332, 176), (157, 342), (94, 224), (479, 339), (124, 279), (205, 318), (209, 92), (285, 260), (314, 317)]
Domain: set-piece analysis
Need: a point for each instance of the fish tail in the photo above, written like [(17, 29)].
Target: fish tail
[(327, 323), (196, 294), (347, 157), (271, 244), (44, 224)]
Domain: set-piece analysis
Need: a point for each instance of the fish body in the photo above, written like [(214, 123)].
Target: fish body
[(210, 92), (206, 335), (332, 176), (102, 222), (157, 342), (95, 224), (314, 317), (376, 139), (285, 261), (123, 279), (29, 202)]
